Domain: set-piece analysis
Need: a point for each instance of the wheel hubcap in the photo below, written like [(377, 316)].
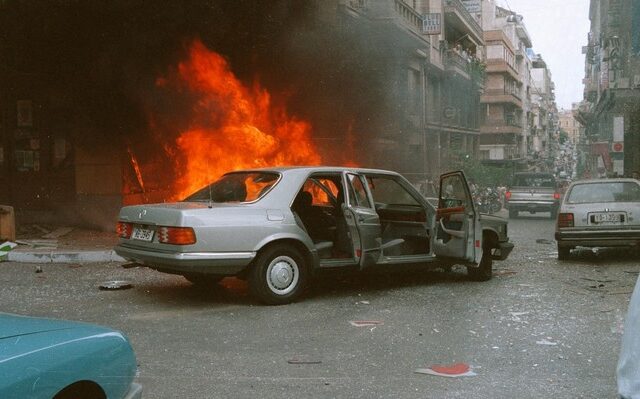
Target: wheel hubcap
[(282, 275)]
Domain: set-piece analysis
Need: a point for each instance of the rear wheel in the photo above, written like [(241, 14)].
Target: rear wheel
[(278, 275), (564, 253), (484, 271)]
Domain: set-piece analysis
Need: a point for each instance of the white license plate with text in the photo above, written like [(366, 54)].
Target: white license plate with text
[(608, 217), (142, 234)]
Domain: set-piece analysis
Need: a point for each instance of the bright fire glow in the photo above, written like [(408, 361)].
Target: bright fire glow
[(234, 126)]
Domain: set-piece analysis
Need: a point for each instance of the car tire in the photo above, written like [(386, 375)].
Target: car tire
[(278, 275), (203, 280), (513, 214), (564, 253), (484, 271)]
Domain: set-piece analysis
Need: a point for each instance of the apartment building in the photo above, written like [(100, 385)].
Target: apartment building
[(569, 124), (610, 110), (434, 50)]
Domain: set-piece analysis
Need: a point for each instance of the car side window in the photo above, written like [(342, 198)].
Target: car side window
[(452, 192), (357, 192), (386, 191)]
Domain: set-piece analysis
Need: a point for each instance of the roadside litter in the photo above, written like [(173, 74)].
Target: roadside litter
[(366, 323), (450, 371), (5, 247), (303, 360), (116, 285)]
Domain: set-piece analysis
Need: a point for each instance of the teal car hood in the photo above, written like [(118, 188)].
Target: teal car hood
[(15, 326)]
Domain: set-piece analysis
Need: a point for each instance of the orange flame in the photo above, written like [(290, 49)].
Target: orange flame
[(234, 126)]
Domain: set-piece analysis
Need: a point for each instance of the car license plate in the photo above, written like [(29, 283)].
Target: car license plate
[(608, 217), (142, 234)]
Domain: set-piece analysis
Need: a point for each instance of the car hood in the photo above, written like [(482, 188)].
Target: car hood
[(15, 326)]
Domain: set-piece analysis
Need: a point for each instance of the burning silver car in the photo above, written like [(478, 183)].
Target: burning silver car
[(275, 227), (599, 213)]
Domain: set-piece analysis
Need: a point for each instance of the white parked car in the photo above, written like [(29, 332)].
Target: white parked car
[(599, 213)]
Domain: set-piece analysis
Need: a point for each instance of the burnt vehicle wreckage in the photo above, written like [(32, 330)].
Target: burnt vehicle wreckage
[(276, 227)]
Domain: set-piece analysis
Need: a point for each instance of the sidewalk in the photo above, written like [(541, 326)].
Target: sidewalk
[(59, 244)]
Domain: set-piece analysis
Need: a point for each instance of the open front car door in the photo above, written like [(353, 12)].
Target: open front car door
[(457, 225)]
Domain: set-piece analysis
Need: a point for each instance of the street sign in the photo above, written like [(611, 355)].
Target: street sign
[(617, 147), (431, 24)]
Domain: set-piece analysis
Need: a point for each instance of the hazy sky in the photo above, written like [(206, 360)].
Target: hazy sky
[(558, 30)]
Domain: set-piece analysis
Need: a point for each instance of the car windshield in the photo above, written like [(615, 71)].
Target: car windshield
[(236, 187), (604, 192), (534, 181)]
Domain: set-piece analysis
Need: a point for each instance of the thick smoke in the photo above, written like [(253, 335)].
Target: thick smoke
[(101, 59)]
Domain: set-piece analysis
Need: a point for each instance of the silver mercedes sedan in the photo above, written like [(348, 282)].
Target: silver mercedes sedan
[(599, 213), (276, 227)]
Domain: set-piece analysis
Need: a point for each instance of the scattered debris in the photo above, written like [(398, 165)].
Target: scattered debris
[(596, 280), (38, 269), (39, 243), (74, 266), (59, 232), (366, 323), (544, 241), (363, 303), (546, 342), (302, 360), (116, 285), (450, 371), (41, 229), (504, 272), (5, 247), (515, 316), (131, 265)]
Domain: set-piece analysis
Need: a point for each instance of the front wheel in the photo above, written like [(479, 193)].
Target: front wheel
[(278, 275), (484, 271)]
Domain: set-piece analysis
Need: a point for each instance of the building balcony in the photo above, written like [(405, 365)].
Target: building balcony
[(458, 62), (500, 127), (501, 66), (501, 96), (456, 15), (396, 13)]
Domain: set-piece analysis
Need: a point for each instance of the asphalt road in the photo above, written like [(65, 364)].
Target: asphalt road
[(539, 329)]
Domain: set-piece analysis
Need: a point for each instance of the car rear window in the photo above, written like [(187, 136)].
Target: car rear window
[(604, 192), (534, 180), (236, 187)]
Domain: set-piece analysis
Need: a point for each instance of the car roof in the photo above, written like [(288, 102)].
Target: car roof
[(605, 180), (311, 169)]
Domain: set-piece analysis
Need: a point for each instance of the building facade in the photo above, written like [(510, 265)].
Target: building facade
[(610, 111)]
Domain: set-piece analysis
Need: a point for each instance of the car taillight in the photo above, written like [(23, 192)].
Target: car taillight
[(507, 195), (565, 220), (556, 196), (176, 235), (124, 229)]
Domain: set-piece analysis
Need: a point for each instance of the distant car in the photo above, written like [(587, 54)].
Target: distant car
[(532, 192), (276, 226), (46, 358), (599, 213)]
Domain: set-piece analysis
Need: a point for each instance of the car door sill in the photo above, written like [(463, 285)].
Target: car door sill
[(405, 259), (330, 263)]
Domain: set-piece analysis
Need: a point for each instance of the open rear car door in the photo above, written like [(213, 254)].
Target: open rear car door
[(362, 219), (458, 232)]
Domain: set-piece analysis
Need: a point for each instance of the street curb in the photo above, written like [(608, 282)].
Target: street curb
[(64, 257)]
